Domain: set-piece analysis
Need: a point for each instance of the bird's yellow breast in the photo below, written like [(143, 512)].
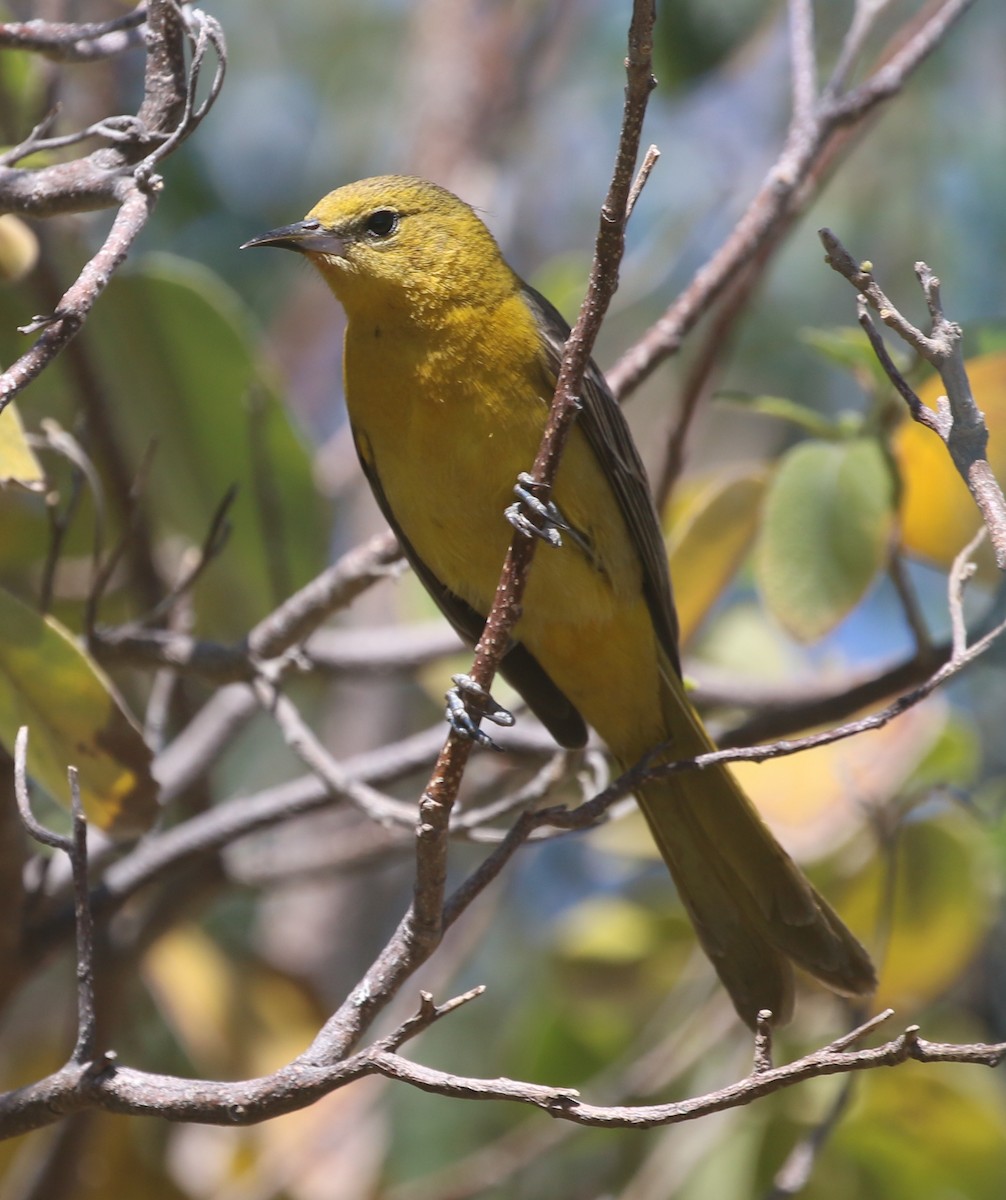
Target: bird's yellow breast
[(446, 433)]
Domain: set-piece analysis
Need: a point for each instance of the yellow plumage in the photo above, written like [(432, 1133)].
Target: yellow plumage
[(449, 369)]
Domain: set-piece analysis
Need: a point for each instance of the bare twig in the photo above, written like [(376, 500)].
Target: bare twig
[(123, 1090), (957, 419), (121, 175), (961, 571), (75, 848), (84, 1050), (75, 42), (763, 1043), (642, 175), (215, 539), (286, 627), (783, 194), (80, 297)]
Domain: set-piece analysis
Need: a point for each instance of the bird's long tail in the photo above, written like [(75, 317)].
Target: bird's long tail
[(753, 909)]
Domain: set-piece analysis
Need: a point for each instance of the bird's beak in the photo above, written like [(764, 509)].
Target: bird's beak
[(308, 237)]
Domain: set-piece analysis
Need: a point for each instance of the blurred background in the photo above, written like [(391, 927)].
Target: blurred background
[(232, 363)]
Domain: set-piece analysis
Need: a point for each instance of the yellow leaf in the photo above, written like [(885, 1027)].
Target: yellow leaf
[(18, 463), (814, 800), (230, 1017), (607, 929), (710, 534), (194, 986), (74, 718), (18, 248), (938, 515)]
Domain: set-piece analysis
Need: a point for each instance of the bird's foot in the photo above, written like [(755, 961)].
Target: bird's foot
[(467, 704), (534, 516)]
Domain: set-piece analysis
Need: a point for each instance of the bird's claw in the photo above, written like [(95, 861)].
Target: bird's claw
[(533, 516), (467, 704)]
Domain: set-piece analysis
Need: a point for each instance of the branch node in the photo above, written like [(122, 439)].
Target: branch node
[(763, 1042)]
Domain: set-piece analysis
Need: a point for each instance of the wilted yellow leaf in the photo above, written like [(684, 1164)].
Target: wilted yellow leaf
[(193, 984), (710, 534), (229, 1016), (75, 718)]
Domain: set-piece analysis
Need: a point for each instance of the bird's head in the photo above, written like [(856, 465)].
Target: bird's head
[(398, 243)]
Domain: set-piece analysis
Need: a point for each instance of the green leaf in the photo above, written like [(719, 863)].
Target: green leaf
[(784, 409), (986, 339), (848, 347), (179, 363), (915, 1132), (74, 718), (943, 900), (827, 523)]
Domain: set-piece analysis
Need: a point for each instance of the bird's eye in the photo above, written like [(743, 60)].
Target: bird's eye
[(382, 223)]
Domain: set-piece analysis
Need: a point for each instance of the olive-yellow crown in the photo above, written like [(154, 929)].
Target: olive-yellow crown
[(399, 243)]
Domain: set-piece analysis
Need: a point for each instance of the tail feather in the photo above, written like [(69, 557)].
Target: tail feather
[(755, 912)]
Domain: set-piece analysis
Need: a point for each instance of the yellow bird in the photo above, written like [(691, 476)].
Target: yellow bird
[(450, 363)]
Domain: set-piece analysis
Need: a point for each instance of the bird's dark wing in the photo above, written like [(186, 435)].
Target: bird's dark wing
[(519, 667), (606, 430)]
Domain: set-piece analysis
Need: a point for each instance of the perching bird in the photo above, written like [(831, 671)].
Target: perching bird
[(450, 364)]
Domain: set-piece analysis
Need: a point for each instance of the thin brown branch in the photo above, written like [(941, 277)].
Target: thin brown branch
[(284, 628), (642, 176), (763, 1043), (567, 1105), (84, 1050), (75, 848), (123, 1090), (78, 300), (803, 59)]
